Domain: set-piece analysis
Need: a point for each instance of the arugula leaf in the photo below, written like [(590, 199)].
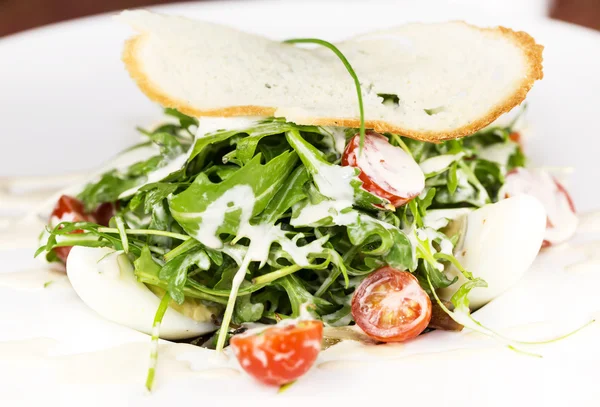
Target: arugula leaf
[(106, 189), (185, 121), (175, 271), (168, 145), (189, 207), (298, 296), (341, 317), (490, 175), (247, 311), (290, 193), (254, 133), (157, 192), (147, 271)]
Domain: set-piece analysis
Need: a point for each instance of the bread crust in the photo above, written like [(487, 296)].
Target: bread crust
[(531, 50)]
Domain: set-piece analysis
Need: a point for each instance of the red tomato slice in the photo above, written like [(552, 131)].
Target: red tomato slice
[(562, 221), (385, 170), (68, 209), (279, 355), (390, 306)]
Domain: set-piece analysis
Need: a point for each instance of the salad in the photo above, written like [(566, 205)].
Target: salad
[(270, 217), (266, 235)]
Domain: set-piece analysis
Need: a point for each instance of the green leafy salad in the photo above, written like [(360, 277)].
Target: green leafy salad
[(271, 199)]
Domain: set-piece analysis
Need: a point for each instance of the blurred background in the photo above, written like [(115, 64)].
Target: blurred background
[(19, 15)]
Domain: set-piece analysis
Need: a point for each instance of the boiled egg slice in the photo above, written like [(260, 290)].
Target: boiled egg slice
[(499, 243), (105, 281)]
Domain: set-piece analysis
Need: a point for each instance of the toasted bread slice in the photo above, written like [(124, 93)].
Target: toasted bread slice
[(442, 80)]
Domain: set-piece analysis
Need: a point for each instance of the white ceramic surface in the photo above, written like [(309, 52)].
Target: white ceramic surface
[(67, 105)]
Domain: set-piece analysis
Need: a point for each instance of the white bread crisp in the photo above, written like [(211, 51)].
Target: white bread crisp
[(463, 75)]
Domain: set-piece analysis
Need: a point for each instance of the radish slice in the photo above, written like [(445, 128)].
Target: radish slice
[(385, 170), (562, 221)]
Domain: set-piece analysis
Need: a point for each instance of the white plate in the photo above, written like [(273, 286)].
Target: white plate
[(67, 105)]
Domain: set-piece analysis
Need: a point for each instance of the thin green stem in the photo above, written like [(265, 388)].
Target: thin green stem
[(182, 248), (224, 293), (158, 317), (237, 280), (189, 290), (267, 278), (401, 143), (121, 228), (177, 236), (559, 338), (351, 71)]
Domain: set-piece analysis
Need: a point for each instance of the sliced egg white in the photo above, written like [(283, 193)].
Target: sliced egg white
[(105, 281), (500, 242)]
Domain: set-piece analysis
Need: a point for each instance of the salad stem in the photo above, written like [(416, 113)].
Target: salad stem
[(182, 248), (401, 143), (158, 317), (267, 278), (351, 71), (177, 236), (122, 233), (237, 280)]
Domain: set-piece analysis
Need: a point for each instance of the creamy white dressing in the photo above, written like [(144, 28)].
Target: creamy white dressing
[(240, 197), (498, 153), (312, 213), (391, 168), (439, 163), (439, 218), (562, 221), (333, 181), (339, 138)]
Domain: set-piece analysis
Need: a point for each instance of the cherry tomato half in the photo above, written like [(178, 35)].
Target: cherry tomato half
[(279, 355), (68, 209), (390, 306), (561, 215), (385, 170)]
